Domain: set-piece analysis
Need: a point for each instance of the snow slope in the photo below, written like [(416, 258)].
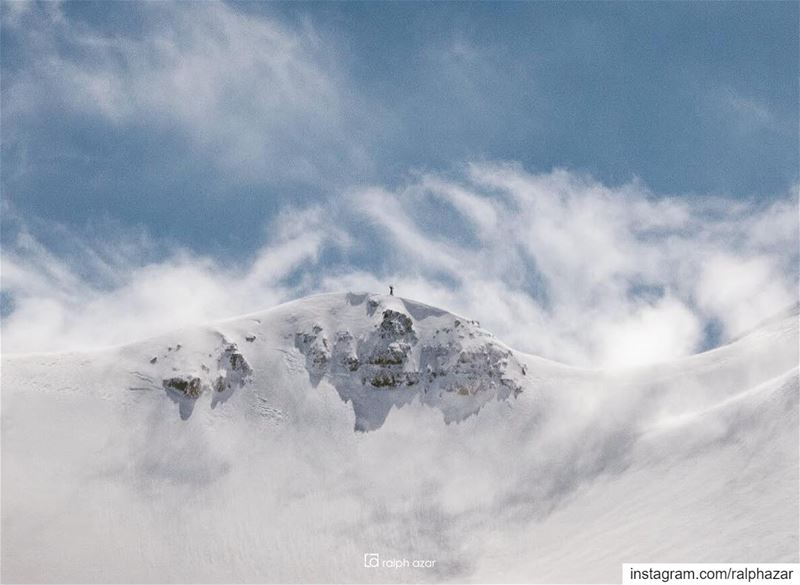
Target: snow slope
[(283, 446)]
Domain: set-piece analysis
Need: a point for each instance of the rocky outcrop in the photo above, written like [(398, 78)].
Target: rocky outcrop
[(314, 345), (396, 325), (225, 372), (233, 370), (189, 386), (457, 367)]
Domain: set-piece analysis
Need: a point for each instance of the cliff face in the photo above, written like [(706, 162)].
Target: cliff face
[(448, 363)]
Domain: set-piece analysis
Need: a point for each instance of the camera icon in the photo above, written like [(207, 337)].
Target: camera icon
[(371, 560)]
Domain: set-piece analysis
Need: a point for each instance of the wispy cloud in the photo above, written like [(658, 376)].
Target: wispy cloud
[(555, 264), (255, 97), (94, 297), (585, 273), (747, 114)]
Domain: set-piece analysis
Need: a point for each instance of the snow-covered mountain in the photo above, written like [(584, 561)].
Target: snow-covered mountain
[(285, 445)]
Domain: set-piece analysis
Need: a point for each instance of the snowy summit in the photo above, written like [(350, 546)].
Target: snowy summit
[(235, 441)]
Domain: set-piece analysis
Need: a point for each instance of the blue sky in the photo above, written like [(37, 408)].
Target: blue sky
[(138, 133)]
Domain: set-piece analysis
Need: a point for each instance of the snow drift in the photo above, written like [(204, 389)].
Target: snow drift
[(283, 446)]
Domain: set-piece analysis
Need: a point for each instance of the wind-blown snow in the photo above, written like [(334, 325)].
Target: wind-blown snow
[(282, 446)]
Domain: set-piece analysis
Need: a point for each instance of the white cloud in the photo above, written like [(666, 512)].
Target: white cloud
[(257, 98), (478, 210), (554, 264), (54, 308), (584, 273), (653, 333), (740, 291)]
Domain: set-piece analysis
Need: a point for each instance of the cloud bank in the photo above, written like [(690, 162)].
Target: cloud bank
[(555, 264)]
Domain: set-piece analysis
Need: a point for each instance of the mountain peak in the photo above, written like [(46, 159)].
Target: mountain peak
[(377, 351), (397, 351)]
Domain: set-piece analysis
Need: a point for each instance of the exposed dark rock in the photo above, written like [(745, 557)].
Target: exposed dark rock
[(315, 347), (396, 324), (190, 386), (387, 366), (219, 384), (344, 352), (230, 373), (237, 362), (383, 379), (233, 367), (395, 353)]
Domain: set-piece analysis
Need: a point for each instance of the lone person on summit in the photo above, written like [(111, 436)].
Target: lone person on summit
[(391, 290)]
